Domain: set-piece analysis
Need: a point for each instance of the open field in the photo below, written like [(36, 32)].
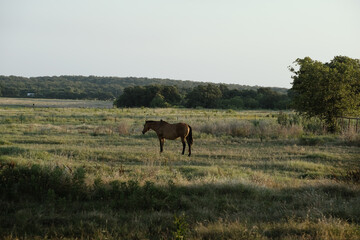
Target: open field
[(56, 103), (89, 173)]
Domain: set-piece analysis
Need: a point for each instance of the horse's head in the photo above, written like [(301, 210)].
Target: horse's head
[(146, 127)]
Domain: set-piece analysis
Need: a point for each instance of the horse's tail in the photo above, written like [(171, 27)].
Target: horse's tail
[(189, 136)]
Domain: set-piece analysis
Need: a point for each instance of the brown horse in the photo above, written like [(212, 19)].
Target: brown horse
[(169, 131)]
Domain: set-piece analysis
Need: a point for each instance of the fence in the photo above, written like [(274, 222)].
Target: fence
[(348, 122)]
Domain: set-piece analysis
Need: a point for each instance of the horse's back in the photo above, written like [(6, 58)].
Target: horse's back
[(173, 131)]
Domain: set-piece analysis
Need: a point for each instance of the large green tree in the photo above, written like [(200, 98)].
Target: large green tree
[(149, 96), (327, 90), (205, 96)]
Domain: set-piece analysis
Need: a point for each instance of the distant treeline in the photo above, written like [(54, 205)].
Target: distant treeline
[(206, 96), (91, 87), (147, 92)]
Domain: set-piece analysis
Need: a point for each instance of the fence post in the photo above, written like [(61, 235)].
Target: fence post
[(342, 123)]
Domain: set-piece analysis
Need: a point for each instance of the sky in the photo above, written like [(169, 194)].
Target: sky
[(229, 41)]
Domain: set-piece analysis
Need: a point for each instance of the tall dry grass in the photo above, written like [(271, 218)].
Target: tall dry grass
[(263, 129)]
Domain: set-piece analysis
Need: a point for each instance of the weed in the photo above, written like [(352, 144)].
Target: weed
[(181, 227)]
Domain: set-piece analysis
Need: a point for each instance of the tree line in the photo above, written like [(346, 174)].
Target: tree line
[(89, 87), (147, 92), (205, 96)]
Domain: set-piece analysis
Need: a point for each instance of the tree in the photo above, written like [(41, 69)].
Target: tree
[(171, 95), (149, 96), (327, 90), (204, 96), (132, 97), (231, 103), (269, 99), (158, 101)]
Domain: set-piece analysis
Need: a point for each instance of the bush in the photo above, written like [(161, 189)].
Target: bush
[(283, 119), (350, 137), (241, 128), (123, 128), (267, 129), (313, 125), (288, 119), (262, 129)]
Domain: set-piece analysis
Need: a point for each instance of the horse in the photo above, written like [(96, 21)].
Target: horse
[(169, 131)]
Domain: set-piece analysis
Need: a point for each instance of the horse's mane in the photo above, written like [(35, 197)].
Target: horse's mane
[(161, 121)]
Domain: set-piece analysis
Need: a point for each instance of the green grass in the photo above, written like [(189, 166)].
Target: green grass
[(89, 173)]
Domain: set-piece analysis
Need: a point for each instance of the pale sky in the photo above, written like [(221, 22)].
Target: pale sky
[(242, 42)]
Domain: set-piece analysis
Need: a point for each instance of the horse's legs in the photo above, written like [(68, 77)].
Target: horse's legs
[(184, 145), (189, 144), (162, 140)]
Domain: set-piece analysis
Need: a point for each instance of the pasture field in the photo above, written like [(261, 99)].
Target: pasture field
[(89, 173), (59, 103)]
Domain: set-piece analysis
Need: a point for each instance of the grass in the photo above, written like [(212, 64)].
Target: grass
[(46, 103), (89, 173)]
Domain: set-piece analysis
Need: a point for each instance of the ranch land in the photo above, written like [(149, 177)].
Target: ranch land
[(83, 171)]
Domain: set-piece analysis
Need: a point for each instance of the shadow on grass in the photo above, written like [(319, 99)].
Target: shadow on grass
[(39, 201)]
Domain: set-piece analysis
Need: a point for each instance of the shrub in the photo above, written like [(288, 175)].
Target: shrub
[(240, 128), (102, 131), (350, 137), (267, 129), (283, 119), (262, 129), (123, 128), (233, 128), (313, 125)]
